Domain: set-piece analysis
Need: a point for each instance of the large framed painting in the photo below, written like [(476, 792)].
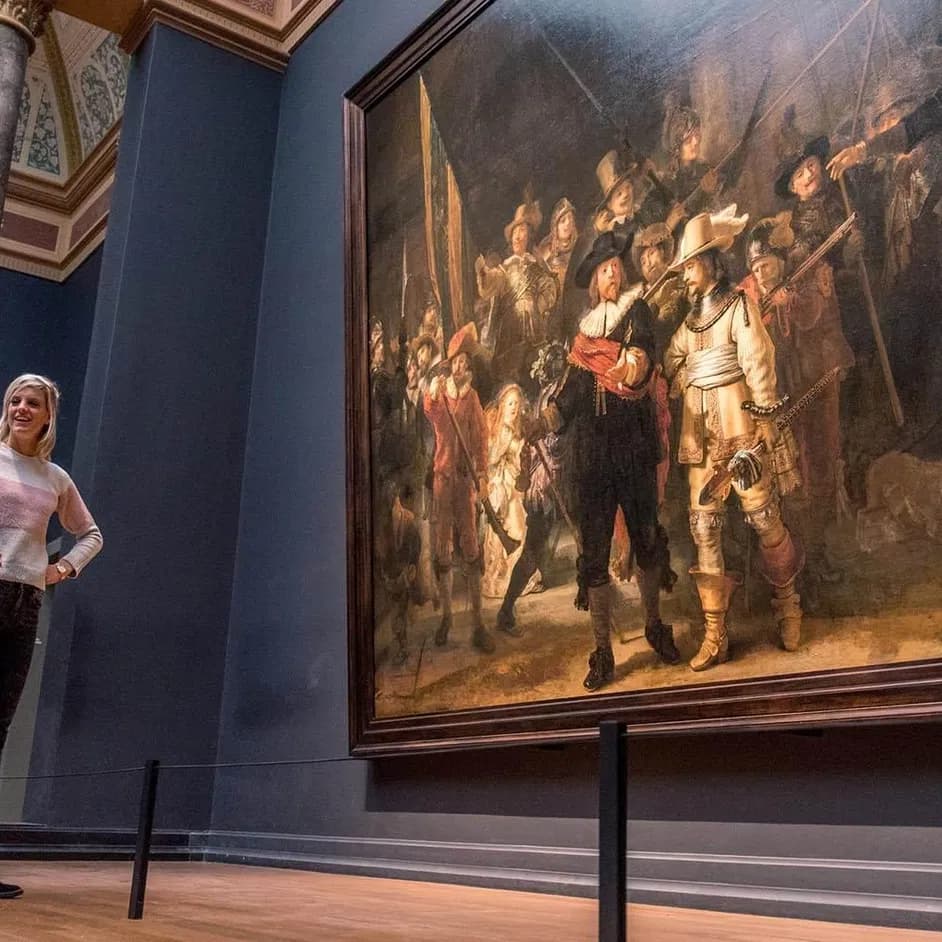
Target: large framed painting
[(644, 370)]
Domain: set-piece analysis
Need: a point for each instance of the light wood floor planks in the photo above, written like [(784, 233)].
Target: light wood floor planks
[(87, 902)]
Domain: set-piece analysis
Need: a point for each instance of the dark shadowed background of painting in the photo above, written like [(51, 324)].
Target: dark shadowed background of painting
[(511, 115)]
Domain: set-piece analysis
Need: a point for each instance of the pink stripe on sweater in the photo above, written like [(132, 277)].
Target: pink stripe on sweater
[(25, 507)]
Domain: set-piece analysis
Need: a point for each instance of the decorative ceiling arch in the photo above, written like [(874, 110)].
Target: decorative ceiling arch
[(70, 114), (64, 149)]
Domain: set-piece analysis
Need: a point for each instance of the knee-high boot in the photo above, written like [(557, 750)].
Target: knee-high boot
[(715, 591), (781, 564)]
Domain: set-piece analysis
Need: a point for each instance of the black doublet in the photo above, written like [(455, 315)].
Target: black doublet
[(614, 457)]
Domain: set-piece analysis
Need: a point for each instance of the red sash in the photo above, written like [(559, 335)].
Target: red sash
[(598, 355)]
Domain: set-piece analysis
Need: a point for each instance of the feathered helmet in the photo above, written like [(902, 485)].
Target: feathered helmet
[(709, 231), (527, 213), (680, 121), (770, 236)]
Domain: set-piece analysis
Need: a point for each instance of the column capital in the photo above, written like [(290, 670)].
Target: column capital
[(27, 16)]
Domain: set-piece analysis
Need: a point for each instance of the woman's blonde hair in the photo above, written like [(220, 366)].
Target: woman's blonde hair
[(47, 441), (493, 415)]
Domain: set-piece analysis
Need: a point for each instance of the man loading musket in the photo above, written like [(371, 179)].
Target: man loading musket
[(720, 358), (604, 403), (815, 341)]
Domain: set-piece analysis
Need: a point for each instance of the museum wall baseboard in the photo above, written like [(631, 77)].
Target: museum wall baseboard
[(878, 876), (38, 842), (823, 872)]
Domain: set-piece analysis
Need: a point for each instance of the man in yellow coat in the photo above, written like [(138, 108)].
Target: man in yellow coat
[(719, 358)]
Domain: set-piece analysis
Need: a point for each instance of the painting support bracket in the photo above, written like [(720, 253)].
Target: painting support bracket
[(613, 831)]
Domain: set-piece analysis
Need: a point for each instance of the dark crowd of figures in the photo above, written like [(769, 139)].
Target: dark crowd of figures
[(474, 466)]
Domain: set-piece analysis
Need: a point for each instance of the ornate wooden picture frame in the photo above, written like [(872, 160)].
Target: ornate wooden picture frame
[(705, 412)]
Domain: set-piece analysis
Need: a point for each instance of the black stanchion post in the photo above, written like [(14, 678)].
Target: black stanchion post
[(613, 832), (145, 827)]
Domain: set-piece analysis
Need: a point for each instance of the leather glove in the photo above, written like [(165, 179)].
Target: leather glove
[(769, 434)]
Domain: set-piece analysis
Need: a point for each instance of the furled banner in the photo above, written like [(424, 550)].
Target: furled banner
[(445, 236)]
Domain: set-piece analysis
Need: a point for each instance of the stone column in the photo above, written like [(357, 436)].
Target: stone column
[(21, 22)]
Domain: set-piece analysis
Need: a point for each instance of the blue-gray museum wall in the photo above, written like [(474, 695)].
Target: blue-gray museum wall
[(46, 329), (138, 644), (285, 690)]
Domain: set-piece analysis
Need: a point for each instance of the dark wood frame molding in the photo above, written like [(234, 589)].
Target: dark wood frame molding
[(880, 694)]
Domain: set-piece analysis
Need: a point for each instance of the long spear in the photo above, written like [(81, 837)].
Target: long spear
[(895, 403), (781, 97), (739, 147)]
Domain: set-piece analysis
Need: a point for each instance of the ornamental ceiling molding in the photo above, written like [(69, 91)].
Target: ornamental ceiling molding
[(263, 31), (50, 228)]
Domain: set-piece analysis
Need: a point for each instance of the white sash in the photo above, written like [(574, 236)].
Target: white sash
[(718, 366)]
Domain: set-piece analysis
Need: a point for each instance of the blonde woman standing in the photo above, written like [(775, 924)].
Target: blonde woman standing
[(504, 420), (32, 489)]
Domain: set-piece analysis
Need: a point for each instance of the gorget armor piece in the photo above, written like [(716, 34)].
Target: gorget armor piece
[(707, 311)]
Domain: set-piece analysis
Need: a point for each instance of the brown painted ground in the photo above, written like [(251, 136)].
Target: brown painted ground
[(191, 902), (886, 609)]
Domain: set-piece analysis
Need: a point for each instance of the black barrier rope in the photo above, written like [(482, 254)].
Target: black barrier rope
[(259, 765), (613, 817), (29, 778)]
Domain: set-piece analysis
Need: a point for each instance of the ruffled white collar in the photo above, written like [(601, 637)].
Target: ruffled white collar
[(602, 320)]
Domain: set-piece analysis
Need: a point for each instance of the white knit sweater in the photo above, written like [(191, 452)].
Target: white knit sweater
[(31, 491)]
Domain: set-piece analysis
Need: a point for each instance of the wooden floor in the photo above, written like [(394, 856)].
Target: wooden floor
[(222, 903)]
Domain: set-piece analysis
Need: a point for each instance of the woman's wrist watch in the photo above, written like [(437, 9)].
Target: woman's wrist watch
[(65, 570)]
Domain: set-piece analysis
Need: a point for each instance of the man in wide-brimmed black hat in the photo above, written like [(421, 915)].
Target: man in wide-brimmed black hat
[(604, 404), (817, 340), (817, 210), (802, 159)]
